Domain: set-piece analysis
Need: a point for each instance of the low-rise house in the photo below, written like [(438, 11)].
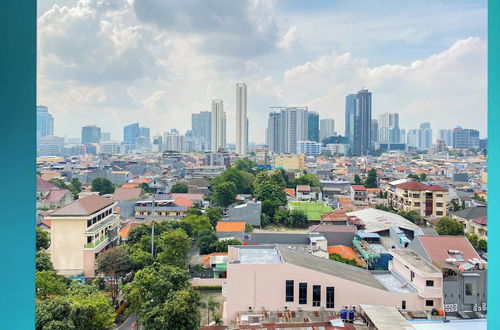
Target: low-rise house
[(303, 193), (125, 199), (358, 195), (380, 222), (420, 274), (79, 231), (230, 229), (335, 235), (164, 208), (464, 272), (49, 196), (267, 278), (250, 213), (474, 221)]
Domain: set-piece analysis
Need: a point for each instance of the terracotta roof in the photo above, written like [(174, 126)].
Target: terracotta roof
[(55, 195), (345, 252), (290, 192), (44, 185), (333, 217), (48, 223), (230, 226), (333, 229), (125, 194), (182, 201), (142, 180), (358, 187), (206, 258), (417, 186), (129, 185), (126, 229), (84, 206), (481, 220), (193, 197), (303, 187), (49, 175), (437, 247)]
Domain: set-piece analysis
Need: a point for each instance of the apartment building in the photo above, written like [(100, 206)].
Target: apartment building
[(290, 162), (79, 232), (269, 278), (427, 200)]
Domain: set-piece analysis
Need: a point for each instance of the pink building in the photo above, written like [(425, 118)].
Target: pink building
[(265, 278), (424, 277)]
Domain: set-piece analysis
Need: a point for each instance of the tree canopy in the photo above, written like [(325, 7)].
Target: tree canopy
[(371, 179), (447, 226), (267, 189), (181, 188), (103, 186), (43, 261), (42, 239), (224, 194), (175, 245)]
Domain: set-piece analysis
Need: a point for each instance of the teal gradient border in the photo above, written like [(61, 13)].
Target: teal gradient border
[(493, 163), (17, 174)]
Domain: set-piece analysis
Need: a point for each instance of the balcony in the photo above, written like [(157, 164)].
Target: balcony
[(96, 243)]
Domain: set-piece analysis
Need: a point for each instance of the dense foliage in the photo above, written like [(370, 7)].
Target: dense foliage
[(447, 226), (181, 188), (103, 186)]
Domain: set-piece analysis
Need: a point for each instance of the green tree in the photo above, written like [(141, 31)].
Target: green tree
[(75, 186), (306, 179), (222, 245), (42, 239), (114, 262), (298, 219), (357, 179), (206, 241), (282, 218), (175, 245), (212, 305), (103, 186), (194, 211), (179, 188), (59, 183), (240, 180), (214, 214), (248, 228), (48, 283), (411, 215), (473, 239), (384, 208), (266, 190), (423, 176), (269, 207), (163, 298), (482, 245), (224, 194), (197, 223), (43, 261), (145, 187), (339, 258), (447, 226), (140, 258), (91, 311), (371, 179), (54, 314), (246, 165)]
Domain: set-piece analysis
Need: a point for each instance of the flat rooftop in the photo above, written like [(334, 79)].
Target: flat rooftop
[(266, 255), (415, 260), (393, 283)]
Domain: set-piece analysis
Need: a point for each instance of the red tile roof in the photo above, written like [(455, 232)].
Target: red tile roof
[(333, 217), (206, 258), (84, 206), (182, 201), (333, 228), (193, 197), (142, 180), (290, 192), (44, 185), (418, 186), (358, 187), (303, 188), (437, 247), (230, 226), (345, 252), (126, 229), (129, 185), (481, 220), (55, 195)]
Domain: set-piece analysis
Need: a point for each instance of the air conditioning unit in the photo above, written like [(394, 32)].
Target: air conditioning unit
[(287, 307)]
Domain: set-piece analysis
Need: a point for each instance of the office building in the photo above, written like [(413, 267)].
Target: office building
[(464, 138), (349, 109), (44, 122), (290, 162), (388, 128), (312, 148), (326, 128), (313, 126), (130, 134), (105, 136), (425, 136), (286, 126), (218, 125), (201, 126), (446, 135), (157, 143), (374, 137), (110, 147), (50, 146), (91, 134), (359, 122), (241, 119), (174, 141), (144, 139)]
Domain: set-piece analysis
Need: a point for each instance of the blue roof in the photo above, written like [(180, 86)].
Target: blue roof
[(368, 235)]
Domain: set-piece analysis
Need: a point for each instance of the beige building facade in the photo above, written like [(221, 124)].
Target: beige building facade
[(425, 199)]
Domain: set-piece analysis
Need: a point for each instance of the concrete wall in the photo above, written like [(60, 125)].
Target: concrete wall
[(262, 286), (208, 281), (67, 242)]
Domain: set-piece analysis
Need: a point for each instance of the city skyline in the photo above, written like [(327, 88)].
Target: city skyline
[(432, 69)]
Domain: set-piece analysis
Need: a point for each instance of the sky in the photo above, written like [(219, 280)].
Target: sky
[(114, 62)]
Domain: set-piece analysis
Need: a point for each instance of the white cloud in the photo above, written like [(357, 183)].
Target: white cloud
[(289, 40)]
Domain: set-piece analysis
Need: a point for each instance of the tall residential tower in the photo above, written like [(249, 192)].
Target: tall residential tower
[(241, 119), (218, 125)]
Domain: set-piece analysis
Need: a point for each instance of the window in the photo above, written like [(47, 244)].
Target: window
[(416, 195), (412, 275), (289, 290), (302, 293), (470, 289), (429, 283), (316, 295), (417, 203), (439, 195), (429, 303), (403, 304), (439, 212), (439, 204), (330, 297)]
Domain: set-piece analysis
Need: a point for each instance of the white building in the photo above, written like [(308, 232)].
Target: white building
[(337, 148), (174, 141), (241, 119), (218, 125), (312, 148), (326, 128), (287, 126), (388, 128)]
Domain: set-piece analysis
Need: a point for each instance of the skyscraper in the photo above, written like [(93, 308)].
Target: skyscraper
[(446, 135), (313, 126), (218, 125), (374, 129), (174, 141), (361, 123), (241, 119), (326, 128), (201, 125), (425, 136), (91, 134), (286, 126), (388, 128), (144, 138), (44, 122), (130, 134), (349, 110), (464, 138)]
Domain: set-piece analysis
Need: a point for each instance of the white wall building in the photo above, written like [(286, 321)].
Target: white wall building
[(326, 128), (218, 125), (241, 119)]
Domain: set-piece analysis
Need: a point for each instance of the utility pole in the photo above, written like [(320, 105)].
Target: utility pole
[(153, 229)]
